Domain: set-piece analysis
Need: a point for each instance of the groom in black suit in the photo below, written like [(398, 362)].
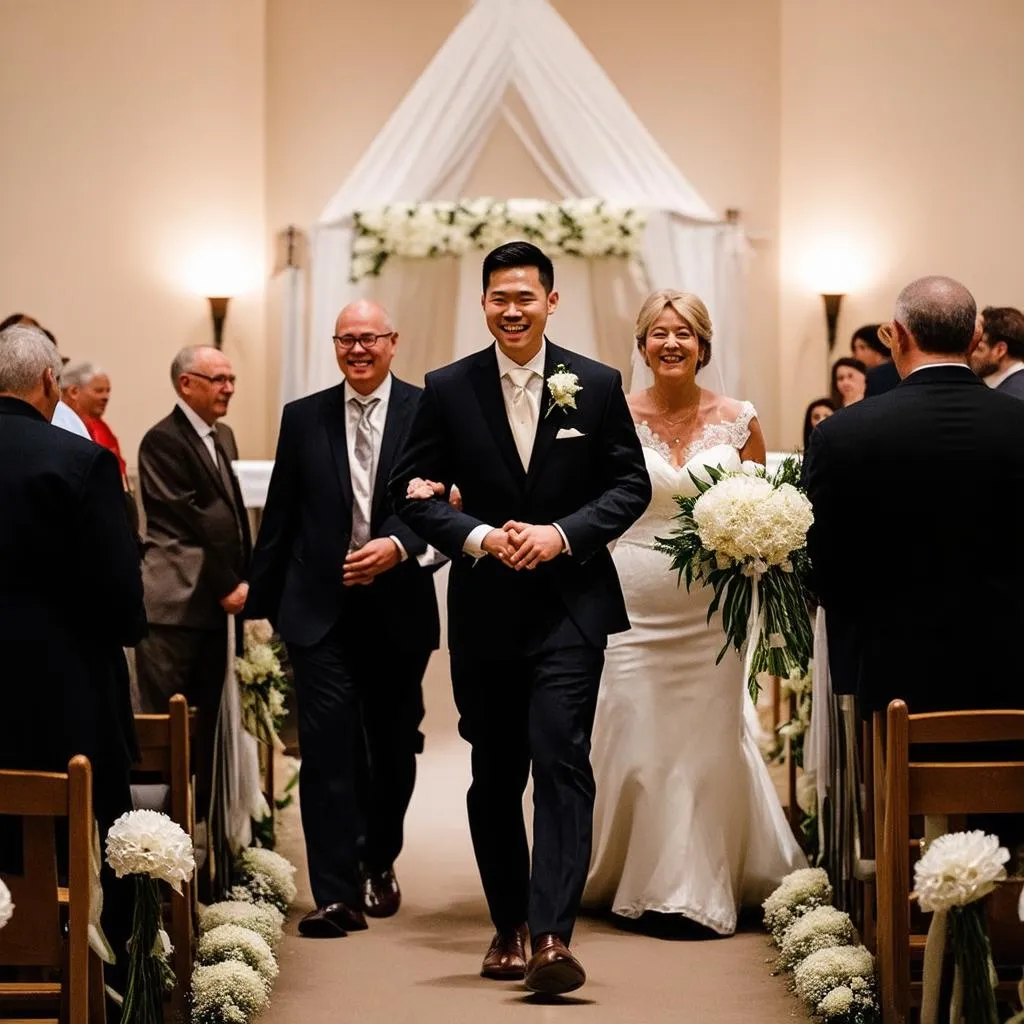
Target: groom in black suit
[(938, 462), (550, 471), (349, 588)]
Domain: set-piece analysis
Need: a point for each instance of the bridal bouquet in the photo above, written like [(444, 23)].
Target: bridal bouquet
[(262, 683), (745, 536)]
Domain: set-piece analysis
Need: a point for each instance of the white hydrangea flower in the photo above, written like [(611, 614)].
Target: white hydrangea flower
[(235, 942), (372, 219), (258, 631), (959, 868), (262, 918), (230, 992), (799, 892), (817, 929), (751, 521), (268, 876), (6, 904), (837, 1003), (827, 969), (149, 843)]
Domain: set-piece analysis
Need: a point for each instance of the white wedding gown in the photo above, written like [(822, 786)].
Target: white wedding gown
[(686, 820)]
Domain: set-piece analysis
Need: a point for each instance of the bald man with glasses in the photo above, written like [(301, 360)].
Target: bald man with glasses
[(197, 548)]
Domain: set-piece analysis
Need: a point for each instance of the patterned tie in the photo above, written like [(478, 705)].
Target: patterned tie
[(523, 415), (362, 473)]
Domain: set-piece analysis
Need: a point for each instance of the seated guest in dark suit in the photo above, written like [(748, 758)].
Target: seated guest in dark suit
[(63, 526), (870, 350), (348, 587), (933, 460), (196, 549), (999, 356)]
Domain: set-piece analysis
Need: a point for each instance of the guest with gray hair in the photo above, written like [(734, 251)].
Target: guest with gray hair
[(87, 391), (197, 552), (64, 416), (65, 687)]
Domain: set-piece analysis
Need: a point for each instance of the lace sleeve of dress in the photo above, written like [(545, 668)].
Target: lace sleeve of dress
[(649, 439), (740, 427)]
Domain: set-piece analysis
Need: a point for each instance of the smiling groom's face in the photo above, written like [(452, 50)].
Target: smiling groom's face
[(517, 308)]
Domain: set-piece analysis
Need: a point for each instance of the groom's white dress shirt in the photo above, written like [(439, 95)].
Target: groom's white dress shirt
[(67, 419), (522, 387), (363, 477)]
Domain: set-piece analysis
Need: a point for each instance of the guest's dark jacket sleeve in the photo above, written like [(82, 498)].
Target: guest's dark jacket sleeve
[(627, 487), (108, 556), (163, 474), (425, 455), (824, 542), (280, 516)]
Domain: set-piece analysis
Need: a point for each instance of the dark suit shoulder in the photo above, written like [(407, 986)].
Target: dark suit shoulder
[(460, 368), (162, 429), (403, 389), (301, 407)]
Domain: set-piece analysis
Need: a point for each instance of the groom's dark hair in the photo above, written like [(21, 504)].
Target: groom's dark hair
[(519, 254)]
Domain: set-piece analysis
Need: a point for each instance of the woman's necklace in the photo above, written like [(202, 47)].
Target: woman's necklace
[(688, 419)]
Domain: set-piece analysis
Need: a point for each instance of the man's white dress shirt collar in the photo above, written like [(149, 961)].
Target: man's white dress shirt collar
[(993, 380), (936, 366), (382, 391), (67, 419), (536, 363), (207, 434)]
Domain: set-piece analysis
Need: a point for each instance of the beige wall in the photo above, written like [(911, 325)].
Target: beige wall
[(902, 143), (133, 142)]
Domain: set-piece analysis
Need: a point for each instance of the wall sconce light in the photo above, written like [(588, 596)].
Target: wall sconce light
[(832, 303), (218, 313)]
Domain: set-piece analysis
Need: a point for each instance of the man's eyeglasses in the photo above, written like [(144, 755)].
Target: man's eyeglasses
[(368, 341), (219, 381)]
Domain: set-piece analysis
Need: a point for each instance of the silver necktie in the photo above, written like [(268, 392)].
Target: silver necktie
[(362, 474), (523, 414)]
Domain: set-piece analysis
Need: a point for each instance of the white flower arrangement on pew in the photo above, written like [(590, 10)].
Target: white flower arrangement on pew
[(6, 904), (834, 977), (591, 228), (236, 954), (955, 873), (745, 536), (262, 683), (148, 847)]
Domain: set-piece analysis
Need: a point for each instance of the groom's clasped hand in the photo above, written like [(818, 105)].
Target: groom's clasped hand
[(517, 545)]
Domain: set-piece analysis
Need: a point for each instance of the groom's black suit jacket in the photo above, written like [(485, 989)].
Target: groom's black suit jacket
[(917, 544), (307, 524), (594, 485)]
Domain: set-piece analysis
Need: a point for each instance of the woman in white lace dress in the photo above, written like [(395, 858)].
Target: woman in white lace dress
[(687, 821)]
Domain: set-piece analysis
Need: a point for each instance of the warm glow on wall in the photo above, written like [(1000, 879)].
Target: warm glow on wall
[(836, 264), (222, 268)]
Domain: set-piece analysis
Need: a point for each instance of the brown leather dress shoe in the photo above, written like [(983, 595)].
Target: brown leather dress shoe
[(506, 956), (552, 969), (381, 895), (334, 921)]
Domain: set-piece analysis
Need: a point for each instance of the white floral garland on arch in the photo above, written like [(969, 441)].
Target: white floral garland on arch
[(591, 228)]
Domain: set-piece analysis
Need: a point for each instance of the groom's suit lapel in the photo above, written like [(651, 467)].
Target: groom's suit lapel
[(487, 388), (548, 423)]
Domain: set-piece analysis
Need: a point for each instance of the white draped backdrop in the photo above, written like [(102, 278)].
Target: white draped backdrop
[(588, 143)]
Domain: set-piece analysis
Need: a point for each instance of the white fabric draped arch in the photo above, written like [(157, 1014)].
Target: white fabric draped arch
[(429, 145)]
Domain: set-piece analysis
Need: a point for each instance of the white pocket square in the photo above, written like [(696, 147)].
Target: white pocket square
[(570, 432)]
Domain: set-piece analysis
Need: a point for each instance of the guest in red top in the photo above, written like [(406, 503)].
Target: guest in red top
[(87, 391)]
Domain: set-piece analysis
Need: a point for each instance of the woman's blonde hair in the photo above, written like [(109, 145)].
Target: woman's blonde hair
[(688, 306)]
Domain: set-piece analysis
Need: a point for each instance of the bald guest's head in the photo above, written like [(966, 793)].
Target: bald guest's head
[(204, 381), (364, 343), (30, 368), (934, 322)]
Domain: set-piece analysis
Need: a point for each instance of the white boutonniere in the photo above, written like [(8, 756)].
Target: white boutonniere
[(563, 387)]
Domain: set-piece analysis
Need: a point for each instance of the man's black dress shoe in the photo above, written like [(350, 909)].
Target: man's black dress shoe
[(381, 895), (334, 921)]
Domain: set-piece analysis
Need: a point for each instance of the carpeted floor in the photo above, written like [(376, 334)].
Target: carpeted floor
[(421, 966)]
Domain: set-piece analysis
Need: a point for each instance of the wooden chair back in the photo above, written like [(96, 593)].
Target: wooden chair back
[(33, 937), (164, 747), (913, 788)]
